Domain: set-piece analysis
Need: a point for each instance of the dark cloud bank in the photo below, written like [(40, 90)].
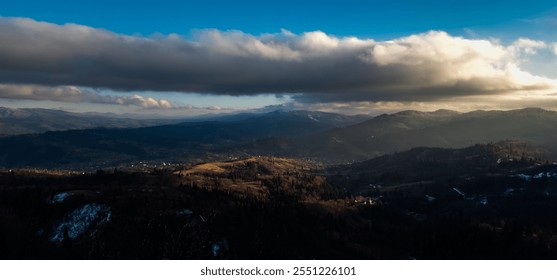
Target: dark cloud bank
[(315, 66)]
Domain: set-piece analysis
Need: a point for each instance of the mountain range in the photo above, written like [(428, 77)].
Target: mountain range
[(35, 120), (173, 142), (401, 131), (326, 137)]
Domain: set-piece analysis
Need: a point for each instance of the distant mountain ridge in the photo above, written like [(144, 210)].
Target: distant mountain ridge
[(401, 131), (175, 142), (36, 120), (325, 137)]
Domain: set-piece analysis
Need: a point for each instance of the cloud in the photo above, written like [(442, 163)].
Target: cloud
[(546, 20), (141, 101), (312, 67), (75, 95), (526, 46)]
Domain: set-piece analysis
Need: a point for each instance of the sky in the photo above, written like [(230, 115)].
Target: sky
[(184, 58)]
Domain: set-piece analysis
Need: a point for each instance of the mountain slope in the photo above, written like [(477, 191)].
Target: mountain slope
[(402, 131), (177, 142), (287, 124), (424, 163)]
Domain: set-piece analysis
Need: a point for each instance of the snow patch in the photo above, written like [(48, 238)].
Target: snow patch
[(80, 220), (545, 175), (459, 192), (508, 192), (523, 177), (540, 175), (311, 117), (184, 212), (59, 197), (215, 249)]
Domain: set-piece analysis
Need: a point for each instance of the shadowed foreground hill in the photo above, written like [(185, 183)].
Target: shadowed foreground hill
[(279, 208)]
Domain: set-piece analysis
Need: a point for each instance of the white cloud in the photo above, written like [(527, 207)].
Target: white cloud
[(524, 46), (75, 95), (141, 101), (236, 43)]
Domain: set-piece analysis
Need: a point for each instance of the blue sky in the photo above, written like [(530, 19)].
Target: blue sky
[(375, 19), (503, 22)]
